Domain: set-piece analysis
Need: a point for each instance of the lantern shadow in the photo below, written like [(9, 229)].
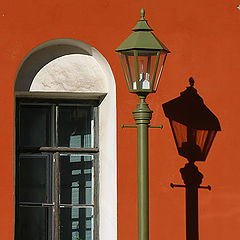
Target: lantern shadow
[(194, 128)]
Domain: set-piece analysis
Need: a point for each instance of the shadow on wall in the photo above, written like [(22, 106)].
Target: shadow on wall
[(194, 128)]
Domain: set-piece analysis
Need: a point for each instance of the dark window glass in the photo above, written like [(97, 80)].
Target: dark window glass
[(35, 126), (76, 179), (34, 175), (76, 223), (75, 126), (35, 223)]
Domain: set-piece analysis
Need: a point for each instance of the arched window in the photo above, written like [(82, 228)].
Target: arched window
[(65, 144)]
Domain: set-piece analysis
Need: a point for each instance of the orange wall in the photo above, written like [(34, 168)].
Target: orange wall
[(204, 38)]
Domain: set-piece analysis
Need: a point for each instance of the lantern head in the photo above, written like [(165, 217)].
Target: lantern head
[(142, 56), (194, 126)]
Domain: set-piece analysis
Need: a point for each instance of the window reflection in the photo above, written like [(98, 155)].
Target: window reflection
[(76, 179), (75, 126), (76, 223)]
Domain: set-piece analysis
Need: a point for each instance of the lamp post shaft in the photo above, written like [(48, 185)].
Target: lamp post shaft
[(142, 114), (143, 192)]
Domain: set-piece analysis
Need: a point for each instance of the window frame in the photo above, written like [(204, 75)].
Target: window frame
[(52, 152)]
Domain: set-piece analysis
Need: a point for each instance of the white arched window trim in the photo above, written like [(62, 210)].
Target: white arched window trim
[(88, 76)]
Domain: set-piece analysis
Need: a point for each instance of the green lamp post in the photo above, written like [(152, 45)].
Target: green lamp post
[(142, 56)]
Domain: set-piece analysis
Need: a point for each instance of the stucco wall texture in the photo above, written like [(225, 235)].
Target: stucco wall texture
[(204, 38)]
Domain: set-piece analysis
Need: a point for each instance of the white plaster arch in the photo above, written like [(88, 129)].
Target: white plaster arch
[(71, 73), (68, 68)]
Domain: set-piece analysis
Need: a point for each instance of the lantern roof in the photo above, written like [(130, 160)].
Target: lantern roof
[(142, 38), (190, 110)]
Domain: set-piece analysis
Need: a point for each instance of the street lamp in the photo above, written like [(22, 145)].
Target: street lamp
[(142, 56), (194, 127)]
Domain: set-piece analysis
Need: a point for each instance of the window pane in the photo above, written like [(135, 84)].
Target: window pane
[(76, 223), (35, 223), (35, 125), (75, 126), (76, 179), (34, 179)]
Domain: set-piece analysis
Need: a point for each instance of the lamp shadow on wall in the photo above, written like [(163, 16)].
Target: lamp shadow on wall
[(194, 128)]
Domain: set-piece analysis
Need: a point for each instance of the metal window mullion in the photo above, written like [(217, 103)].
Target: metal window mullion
[(93, 205), (69, 205), (56, 125), (96, 127), (58, 149), (96, 197), (53, 125), (75, 104), (33, 204), (34, 104), (93, 178), (92, 119), (56, 196)]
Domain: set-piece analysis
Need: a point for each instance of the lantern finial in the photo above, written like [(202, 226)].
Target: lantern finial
[(191, 81), (142, 12)]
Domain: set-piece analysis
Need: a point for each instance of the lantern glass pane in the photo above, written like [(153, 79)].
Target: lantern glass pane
[(193, 144), (162, 58), (146, 64), (128, 61)]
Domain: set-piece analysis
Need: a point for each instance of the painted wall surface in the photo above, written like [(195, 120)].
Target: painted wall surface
[(204, 38)]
